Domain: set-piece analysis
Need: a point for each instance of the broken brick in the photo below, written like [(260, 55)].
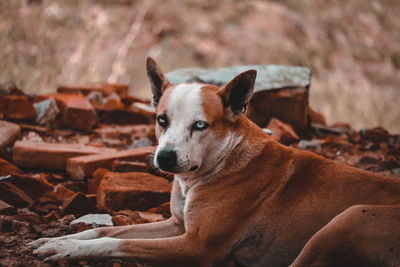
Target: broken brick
[(84, 166), (17, 107), (75, 110), (8, 133), (284, 132), (7, 209), (13, 195), (316, 117), (10, 89), (377, 134), (50, 156), (135, 191), (33, 187), (78, 204), (97, 176), (129, 166), (289, 105), (6, 168), (164, 209), (105, 88)]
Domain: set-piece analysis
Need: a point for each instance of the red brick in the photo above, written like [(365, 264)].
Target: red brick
[(284, 132), (76, 111), (78, 204), (50, 156), (129, 166), (134, 191), (6, 168), (289, 105), (10, 89), (316, 117), (14, 196), (105, 88), (8, 133), (84, 166), (97, 177), (33, 187), (7, 209), (17, 107), (377, 134)]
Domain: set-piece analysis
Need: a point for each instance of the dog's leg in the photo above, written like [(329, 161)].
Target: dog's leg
[(187, 250), (170, 227)]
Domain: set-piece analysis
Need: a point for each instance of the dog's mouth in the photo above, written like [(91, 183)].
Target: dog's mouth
[(177, 171)]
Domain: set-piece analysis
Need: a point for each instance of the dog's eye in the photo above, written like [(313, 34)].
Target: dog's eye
[(162, 121), (200, 125)]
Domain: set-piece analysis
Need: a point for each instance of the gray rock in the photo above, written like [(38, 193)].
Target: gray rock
[(46, 111), (268, 76), (93, 220)]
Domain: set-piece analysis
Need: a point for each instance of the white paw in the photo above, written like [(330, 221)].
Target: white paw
[(39, 242), (54, 250)]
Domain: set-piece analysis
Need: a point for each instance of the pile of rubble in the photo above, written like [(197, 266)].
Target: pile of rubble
[(80, 158)]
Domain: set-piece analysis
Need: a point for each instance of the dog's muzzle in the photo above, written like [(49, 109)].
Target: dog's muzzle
[(166, 160)]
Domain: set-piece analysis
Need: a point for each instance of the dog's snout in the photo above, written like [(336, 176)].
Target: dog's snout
[(167, 159)]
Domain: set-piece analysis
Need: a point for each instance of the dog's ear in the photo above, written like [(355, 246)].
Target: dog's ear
[(158, 82), (237, 93)]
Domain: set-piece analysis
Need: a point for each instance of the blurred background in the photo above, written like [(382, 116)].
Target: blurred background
[(352, 47)]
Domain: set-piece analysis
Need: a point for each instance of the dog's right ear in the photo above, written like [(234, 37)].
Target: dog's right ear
[(158, 82)]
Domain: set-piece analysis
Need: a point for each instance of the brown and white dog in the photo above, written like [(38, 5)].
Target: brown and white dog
[(239, 196)]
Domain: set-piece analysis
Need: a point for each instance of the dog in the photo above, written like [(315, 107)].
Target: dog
[(238, 196)]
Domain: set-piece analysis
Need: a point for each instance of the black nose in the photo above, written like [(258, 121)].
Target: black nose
[(166, 159)]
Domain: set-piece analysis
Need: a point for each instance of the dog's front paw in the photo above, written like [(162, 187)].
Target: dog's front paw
[(55, 250), (39, 242)]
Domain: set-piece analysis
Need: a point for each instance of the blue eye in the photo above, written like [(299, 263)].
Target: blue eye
[(200, 125), (162, 121)]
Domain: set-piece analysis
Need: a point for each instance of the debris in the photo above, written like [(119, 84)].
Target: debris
[(282, 131), (135, 191), (375, 135), (14, 196), (46, 111), (316, 117), (92, 221), (75, 110), (50, 156), (17, 107), (78, 204), (9, 132), (81, 167)]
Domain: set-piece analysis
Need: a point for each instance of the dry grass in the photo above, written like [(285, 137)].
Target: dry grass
[(353, 47)]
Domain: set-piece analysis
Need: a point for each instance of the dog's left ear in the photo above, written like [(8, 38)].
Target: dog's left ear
[(158, 81), (237, 93)]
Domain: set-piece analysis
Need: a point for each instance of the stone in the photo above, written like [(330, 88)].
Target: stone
[(46, 111), (316, 117), (279, 91), (14, 196), (51, 155), (105, 88), (9, 132), (135, 191), (282, 131), (78, 204), (93, 220), (75, 110), (376, 135), (129, 166), (17, 107), (81, 167)]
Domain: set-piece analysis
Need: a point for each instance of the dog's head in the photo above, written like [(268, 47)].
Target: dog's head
[(196, 122)]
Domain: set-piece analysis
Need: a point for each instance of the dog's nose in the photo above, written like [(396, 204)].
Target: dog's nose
[(166, 159)]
